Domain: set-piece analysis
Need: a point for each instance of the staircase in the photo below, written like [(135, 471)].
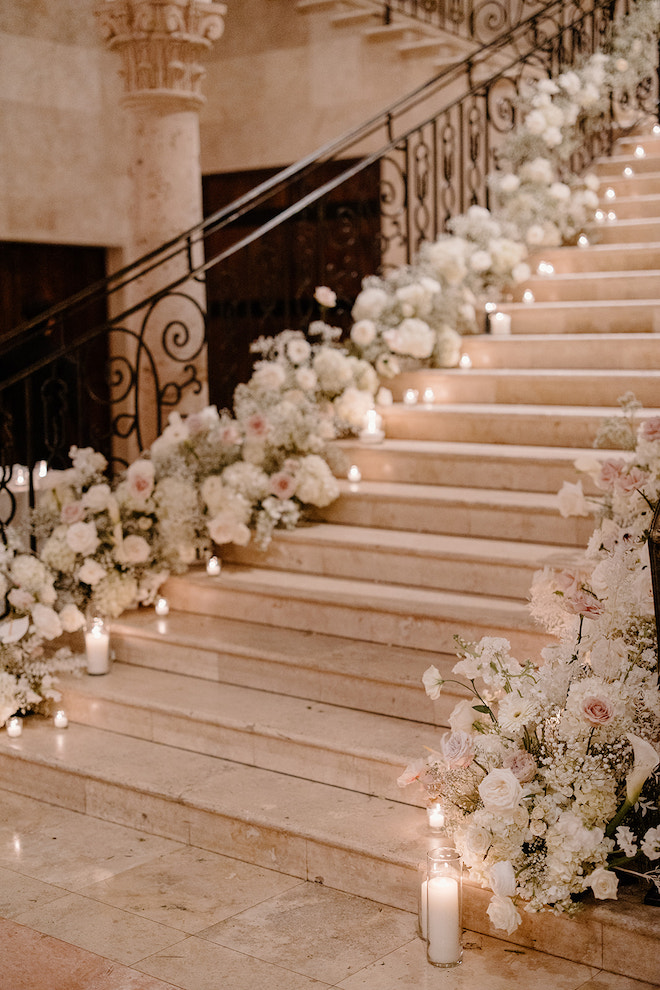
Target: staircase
[(269, 715)]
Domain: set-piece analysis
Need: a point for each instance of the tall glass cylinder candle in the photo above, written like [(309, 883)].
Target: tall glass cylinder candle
[(444, 896), (97, 646)]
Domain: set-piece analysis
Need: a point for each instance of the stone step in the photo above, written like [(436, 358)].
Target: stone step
[(639, 184), (522, 386), (524, 516), (465, 564), (587, 316), (601, 257), (344, 747), (332, 669), (616, 165), (592, 285), (623, 351), (489, 466), (633, 231), (420, 618), (634, 207), (650, 141), (489, 423), (348, 841)]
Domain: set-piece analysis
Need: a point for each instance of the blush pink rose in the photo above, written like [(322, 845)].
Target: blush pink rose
[(650, 429), (257, 426), (597, 711), (72, 512), (282, 484)]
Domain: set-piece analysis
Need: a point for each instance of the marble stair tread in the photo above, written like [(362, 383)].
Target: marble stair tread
[(348, 841), (506, 467), (585, 316), (499, 424), (641, 183), (599, 285), (474, 565), (634, 207), (397, 615), (603, 257), (312, 666), (634, 229), (528, 516), (346, 747), (534, 386), (626, 158), (615, 351)]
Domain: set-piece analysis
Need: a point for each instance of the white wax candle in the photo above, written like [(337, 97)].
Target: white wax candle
[(97, 646), (428, 396), (443, 921), (410, 396), (423, 909), (500, 323), (435, 816), (60, 720), (14, 727), (213, 566), (372, 431), (162, 607), (354, 474)]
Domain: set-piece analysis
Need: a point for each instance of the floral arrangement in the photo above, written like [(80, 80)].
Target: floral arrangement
[(549, 776), (32, 615), (102, 544)]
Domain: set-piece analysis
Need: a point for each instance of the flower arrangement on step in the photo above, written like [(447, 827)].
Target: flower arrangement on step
[(549, 776), (33, 616)]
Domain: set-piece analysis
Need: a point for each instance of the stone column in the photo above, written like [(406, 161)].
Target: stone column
[(161, 44)]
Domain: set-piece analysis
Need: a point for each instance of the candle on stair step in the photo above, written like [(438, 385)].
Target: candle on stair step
[(500, 324), (97, 647), (14, 727), (372, 431), (162, 607), (354, 474), (213, 566), (443, 907), (60, 720), (410, 396)]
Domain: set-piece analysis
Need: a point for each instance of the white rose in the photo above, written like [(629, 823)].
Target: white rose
[(571, 500), (500, 792), (413, 337), (46, 621), (503, 879), (503, 914), (603, 883), (463, 717), (82, 538), (457, 749), (370, 304), (225, 528), (132, 550), (298, 350), (306, 379), (96, 498), (477, 840), (325, 296), (91, 572), (140, 478), (363, 333), (71, 618)]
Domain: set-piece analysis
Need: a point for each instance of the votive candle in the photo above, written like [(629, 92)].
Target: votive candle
[(162, 607), (213, 566), (410, 396), (428, 396), (500, 323), (14, 727), (372, 432), (354, 474), (60, 720), (97, 646), (435, 815)]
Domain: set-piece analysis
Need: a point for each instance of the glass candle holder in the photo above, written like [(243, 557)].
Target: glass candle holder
[(97, 646), (435, 817), (444, 897)]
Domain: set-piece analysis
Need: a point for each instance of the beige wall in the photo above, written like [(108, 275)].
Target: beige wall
[(62, 147), (280, 83)]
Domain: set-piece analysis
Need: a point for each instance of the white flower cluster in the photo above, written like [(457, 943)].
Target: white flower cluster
[(101, 543), (545, 764), (32, 614)]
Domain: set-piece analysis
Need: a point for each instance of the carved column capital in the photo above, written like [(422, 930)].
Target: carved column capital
[(161, 43)]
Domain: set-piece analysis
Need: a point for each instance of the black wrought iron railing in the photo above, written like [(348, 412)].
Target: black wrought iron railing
[(476, 21), (359, 205)]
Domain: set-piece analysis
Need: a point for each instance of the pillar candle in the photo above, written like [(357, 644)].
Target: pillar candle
[(443, 921), (97, 646)]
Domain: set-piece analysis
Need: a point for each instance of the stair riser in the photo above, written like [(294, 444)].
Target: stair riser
[(529, 389), (481, 522), (613, 168), (478, 577), (620, 232), (641, 184), (393, 882), (379, 695), (598, 317), (468, 472), (635, 207), (632, 285), (621, 352), (600, 258), (499, 428), (246, 746), (371, 623)]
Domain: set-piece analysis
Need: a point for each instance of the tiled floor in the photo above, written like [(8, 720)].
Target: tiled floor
[(89, 905)]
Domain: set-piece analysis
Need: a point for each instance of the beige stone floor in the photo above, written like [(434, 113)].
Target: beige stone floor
[(88, 905)]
